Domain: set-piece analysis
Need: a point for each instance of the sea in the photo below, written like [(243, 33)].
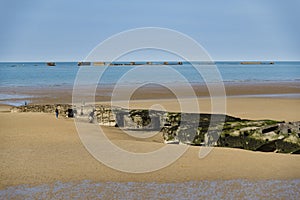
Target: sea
[(37, 75), (64, 73)]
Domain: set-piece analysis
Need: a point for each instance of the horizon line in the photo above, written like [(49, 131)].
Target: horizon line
[(118, 61)]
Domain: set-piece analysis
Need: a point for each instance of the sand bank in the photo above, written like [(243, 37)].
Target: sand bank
[(104, 92)]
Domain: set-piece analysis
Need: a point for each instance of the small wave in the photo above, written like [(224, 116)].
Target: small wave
[(15, 103), (287, 95), (14, 96)]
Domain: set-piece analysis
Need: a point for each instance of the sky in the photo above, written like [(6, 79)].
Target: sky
[(58, 30)]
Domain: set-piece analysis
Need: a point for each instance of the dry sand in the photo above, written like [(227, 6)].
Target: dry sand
[(36, 148), (281, 109)]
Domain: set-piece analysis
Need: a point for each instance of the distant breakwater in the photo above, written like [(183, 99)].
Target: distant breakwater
[(257, 135)]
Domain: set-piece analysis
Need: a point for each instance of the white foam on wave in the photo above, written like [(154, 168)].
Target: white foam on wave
[(14, 96)]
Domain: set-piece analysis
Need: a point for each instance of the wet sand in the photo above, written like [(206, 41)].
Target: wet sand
[(104, 92)]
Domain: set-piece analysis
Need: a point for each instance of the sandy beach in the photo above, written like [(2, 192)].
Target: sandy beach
[(38, 149)]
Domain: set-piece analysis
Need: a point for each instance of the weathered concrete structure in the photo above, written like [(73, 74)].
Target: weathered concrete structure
[(188, 128)]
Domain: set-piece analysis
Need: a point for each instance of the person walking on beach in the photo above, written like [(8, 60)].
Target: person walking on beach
[(56, 113), (91, 116)]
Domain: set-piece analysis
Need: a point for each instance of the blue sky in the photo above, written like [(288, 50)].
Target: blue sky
[(43, 30)]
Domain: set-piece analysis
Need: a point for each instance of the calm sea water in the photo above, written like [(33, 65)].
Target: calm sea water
[(63, 74), (38, 75)]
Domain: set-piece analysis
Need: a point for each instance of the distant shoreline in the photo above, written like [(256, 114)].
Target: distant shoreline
[(160, 61)]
